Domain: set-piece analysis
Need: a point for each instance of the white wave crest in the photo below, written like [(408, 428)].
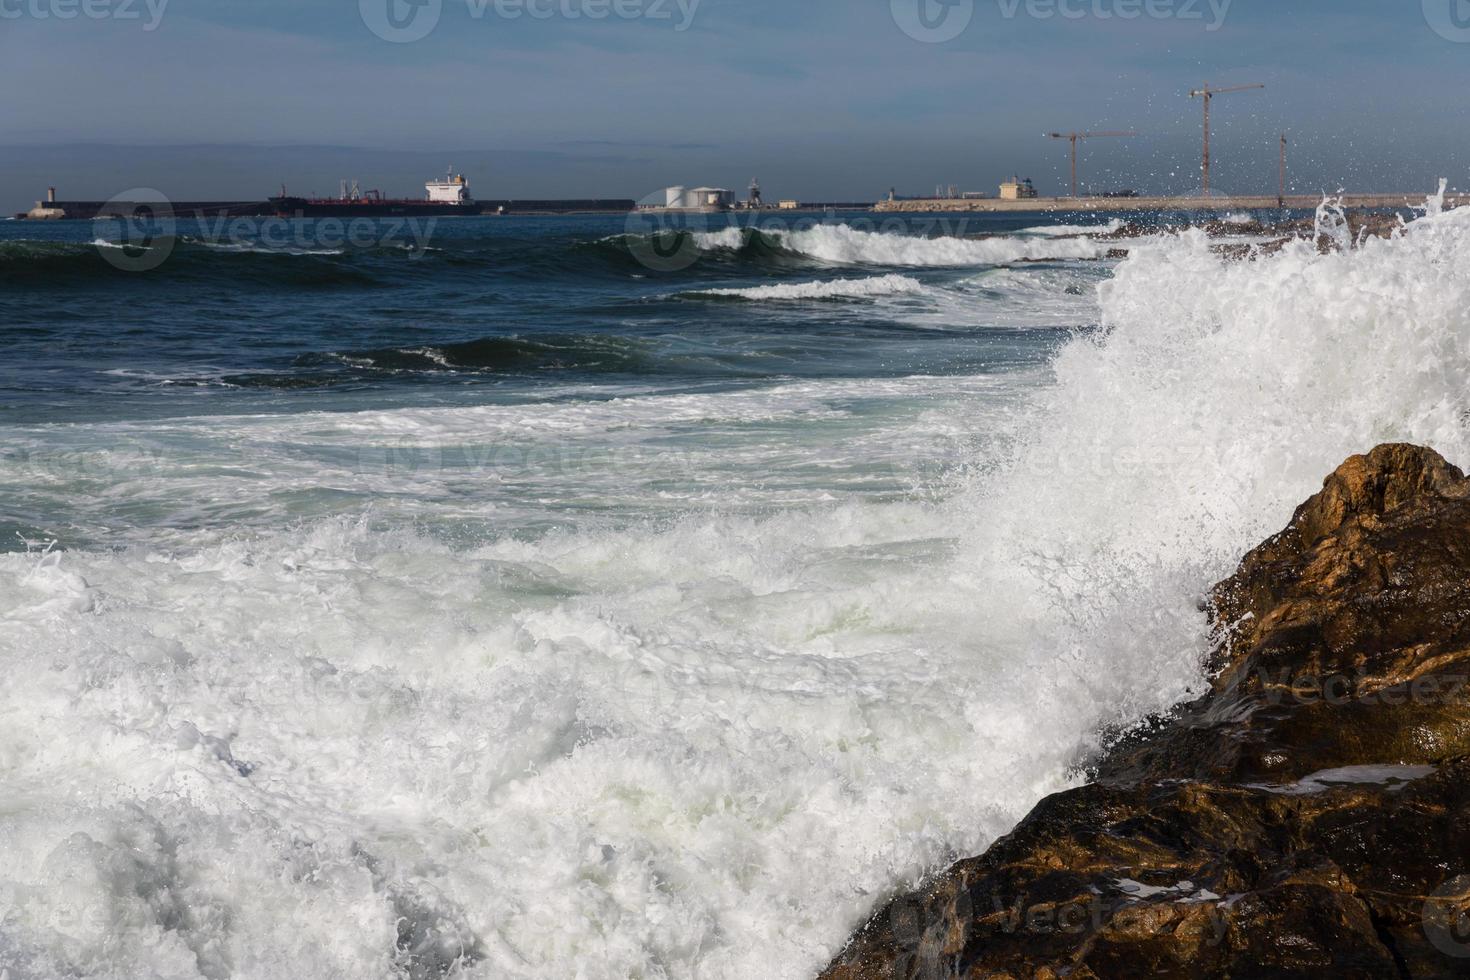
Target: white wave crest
[(889, 285), (732, 237), (254, 249), (1116, 224), (104, 243), (843, 245)]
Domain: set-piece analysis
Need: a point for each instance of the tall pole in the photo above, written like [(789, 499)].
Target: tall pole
[(1074, 165)]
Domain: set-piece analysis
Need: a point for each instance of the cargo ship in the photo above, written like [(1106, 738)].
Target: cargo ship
[(444, 198), (449, 197)]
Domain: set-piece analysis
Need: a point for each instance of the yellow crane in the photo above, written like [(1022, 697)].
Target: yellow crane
[(1073, 138), (1207, 94)]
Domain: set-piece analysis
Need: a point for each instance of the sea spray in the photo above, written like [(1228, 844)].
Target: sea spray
[(1217, 397)]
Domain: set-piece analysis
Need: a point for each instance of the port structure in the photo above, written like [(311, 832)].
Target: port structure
[(1073, 138), (1208, 94)]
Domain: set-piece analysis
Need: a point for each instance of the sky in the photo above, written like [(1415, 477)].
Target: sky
[(821, 99)]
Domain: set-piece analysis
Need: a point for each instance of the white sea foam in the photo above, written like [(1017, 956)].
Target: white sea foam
[(829, 289), (104, 243), (638, 455), (247, 248), (732, 237), (1019, 299), (433, 354), (703, 747), (236, 247), (1107, 228), (843, 245)]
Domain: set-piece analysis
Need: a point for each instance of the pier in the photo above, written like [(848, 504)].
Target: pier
[(1306, 202)]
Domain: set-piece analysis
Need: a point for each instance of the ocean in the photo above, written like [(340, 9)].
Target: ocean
[(562, 597)]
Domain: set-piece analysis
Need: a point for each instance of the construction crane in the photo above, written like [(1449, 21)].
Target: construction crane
[(1073, 138), (1281, 197), (1209, 93)]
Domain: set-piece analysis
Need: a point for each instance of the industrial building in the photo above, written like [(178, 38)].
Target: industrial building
[(699, 199), (1017, 189)]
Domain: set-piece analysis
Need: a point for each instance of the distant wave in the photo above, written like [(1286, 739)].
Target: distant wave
[(19, 249), (1063, 230), (39, 264), (253, 249), (104, 243), (832, 289), (588, 353)]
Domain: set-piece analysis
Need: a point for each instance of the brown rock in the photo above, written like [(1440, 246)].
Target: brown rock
[(1309, 816)]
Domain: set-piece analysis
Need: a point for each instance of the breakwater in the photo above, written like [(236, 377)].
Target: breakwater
[(1216, 203)]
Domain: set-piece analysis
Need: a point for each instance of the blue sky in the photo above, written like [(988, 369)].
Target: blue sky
[(821, 99)]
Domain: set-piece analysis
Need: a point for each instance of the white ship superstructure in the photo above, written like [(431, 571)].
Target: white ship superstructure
[(453, 189)]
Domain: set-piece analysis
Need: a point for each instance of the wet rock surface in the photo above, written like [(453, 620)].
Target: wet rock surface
[(1308, 817)]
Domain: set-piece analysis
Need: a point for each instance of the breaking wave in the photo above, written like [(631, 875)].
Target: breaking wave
[(834, 289), (1056, 231), (844, 245), (550, 352)]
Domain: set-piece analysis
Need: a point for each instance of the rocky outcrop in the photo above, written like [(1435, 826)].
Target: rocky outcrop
[(1308, 817)]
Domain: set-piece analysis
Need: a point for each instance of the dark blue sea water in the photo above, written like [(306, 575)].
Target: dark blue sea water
[(120, 326), (276, 317)]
